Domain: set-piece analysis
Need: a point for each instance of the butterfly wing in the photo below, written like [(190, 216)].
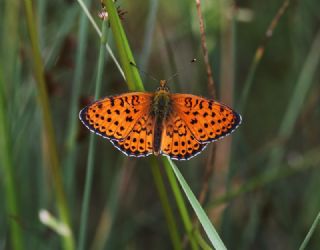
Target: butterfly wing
[(115, 117), (139, 142), (207, 120), (177, 140)]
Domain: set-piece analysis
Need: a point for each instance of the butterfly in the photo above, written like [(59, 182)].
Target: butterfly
[(161, 123)]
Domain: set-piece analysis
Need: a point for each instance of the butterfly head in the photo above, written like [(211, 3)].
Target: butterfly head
[(163, 86)]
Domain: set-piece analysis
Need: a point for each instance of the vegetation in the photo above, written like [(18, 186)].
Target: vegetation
[(65, 188)]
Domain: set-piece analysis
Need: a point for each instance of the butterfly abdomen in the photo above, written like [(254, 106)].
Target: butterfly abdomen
[(160, 110)]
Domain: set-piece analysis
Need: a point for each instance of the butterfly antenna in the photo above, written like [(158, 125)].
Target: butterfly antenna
[(178, 72), (144, 72)]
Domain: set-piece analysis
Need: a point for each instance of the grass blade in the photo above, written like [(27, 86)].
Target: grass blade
[(48, 125), (9, 51), (86, 11), (180, 203), (92, 145), (173, 231), (259, 54), (148, 41), (296, 102), (310, 233), (11, 199), (131, 73), (203, 218), (73, 113)]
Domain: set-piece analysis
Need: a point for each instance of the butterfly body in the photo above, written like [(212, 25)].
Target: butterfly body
[(177, 125), (160, 111)]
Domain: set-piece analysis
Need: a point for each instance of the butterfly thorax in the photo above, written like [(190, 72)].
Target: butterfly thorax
[(160, 110)]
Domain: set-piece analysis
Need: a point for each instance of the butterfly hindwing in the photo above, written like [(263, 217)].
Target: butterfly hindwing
[(139, 141), (177, 140), (208, 120)]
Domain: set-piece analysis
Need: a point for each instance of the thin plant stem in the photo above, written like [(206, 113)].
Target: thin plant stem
[(48, 125), (6, 160), (75, 94), (86, 11), (213, 92), (173, 231), (211, 84), (65, 26), (92, 146), (203, 244), (227, 80), (310, 232), (209, 229), (259, 54), (209, 166), (108, 216), (299, 94), (9, 42), (150, 24), (41, 14), (181, 204), (8, 65), (126, 58)]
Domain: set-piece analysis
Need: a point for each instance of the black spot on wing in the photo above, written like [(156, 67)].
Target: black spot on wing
[(129, 152), (226, 131), (84, 120), (187, 155)]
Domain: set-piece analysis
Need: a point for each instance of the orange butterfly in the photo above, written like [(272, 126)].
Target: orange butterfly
[(177, 125)]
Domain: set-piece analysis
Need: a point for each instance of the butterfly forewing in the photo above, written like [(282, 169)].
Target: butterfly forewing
[(207, 120), (114, 117)]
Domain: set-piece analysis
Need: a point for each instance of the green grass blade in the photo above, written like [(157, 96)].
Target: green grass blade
[(310, 233), (180, 203), (6, 160), (131, 73), (112, 207), (296, 102), (259, 54), (48, 125), (86, 11), (92, 146), (73, 113), (8, 65), (203, 218), (173, 231), (150, 26), (65, 27)]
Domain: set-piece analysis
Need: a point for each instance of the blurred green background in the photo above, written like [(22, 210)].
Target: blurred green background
[(263, 187)]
